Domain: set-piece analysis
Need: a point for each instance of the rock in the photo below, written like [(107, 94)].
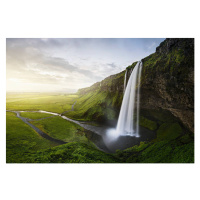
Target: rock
[(167, 82), (176, 94)]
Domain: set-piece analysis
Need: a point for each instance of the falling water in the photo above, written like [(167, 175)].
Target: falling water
[(128, 121), (125, 81), (138, 100)]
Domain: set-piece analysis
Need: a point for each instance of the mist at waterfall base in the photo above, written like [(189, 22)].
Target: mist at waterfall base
[(128, 121)]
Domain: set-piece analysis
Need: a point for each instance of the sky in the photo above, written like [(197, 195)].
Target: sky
[(66, 65)]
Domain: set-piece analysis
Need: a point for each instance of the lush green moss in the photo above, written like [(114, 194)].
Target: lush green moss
[(151, 125), (131, 66), (173, 151), (168, 131), (155, 153), (131, 154), (168, 152), (72, 153), (186, 139), (183, 154)]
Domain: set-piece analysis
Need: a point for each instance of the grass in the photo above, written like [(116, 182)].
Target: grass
[(62, 129), (22, 139), (26, 146), (95, 106), (165, 151), (168, 152), (74, 152), (33, 115), (48, 102), (100, 102)]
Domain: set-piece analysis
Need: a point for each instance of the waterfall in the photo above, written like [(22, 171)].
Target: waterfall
[(128, 121), (125, 81), (138, 100)]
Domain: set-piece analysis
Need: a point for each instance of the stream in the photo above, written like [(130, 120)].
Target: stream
[(44, 135), (97, 134)]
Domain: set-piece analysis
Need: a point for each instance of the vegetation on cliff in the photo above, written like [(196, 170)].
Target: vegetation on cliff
[(167, 88), (168, 80), (180, 150)]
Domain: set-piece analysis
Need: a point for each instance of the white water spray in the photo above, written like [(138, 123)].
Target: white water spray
[(128, 121)]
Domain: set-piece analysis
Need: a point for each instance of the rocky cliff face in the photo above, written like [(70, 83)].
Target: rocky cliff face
[(167, 84), (168, 80)]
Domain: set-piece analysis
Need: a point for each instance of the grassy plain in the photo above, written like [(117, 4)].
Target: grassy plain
[(48, 102), (22, 140), (33, 115), (24, 145), (62, 129)]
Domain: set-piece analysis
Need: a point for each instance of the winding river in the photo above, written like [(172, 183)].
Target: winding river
[(44, 135), (97, 134)]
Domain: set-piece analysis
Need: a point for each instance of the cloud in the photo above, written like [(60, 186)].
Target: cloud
[(42, 64), (31, 64), (112, 65)]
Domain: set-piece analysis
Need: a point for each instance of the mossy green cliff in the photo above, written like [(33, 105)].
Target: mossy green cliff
[(167, 89), (168, 80), (166, 103)]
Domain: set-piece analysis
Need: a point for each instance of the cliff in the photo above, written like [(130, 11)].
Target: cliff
[(168, 80), (167, 89)]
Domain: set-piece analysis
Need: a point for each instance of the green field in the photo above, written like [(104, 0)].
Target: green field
[(48, 102), (22, 139), (33, 115), (24, 145), (62, 129)]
